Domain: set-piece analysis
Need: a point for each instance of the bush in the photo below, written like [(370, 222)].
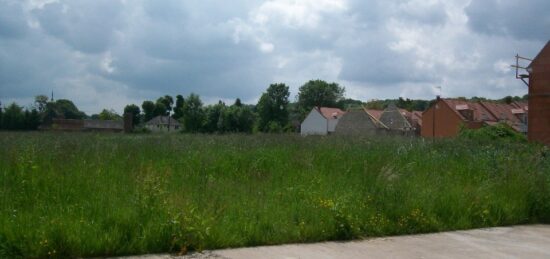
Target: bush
[(501, 131)]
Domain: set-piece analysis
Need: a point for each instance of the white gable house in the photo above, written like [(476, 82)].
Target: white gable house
[(321, 121)]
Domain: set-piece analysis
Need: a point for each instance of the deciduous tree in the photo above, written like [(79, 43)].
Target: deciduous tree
[(318, 93), (273, 108), (148, 110)]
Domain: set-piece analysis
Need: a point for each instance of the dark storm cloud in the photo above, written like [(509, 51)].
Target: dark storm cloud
[(107, 53), (12, 20), (529, 20), (86, 26)]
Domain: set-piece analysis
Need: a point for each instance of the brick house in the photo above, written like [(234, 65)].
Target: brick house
[(450, 114), (539, 97)]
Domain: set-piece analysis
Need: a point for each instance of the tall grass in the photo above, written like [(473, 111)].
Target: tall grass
[(72, 195)]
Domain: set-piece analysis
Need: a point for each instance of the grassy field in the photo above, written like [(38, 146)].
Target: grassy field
[(69, 195)]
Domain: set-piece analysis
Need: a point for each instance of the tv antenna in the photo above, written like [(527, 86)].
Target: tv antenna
[(518, 66)]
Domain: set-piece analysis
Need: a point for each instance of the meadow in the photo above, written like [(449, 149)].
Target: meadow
[(85, 194)]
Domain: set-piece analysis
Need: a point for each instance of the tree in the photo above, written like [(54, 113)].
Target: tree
[(135, 111), (238, 119), (238, 103), (273, 107), (193, 113), (164, 105), (32, 119), (178, 109), (65, 109), (318, 93), (13, 117), (1, 116), (160, 109), (148, 110), (214, 118), (109, 115), (40, 102)]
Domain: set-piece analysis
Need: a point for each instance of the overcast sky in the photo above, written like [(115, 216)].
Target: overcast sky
[(109, 53)]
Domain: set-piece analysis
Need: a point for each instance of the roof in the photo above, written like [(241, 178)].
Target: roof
[(163, 120), (502, 112), (479, 112), (395, 118), (491, 113), (331, 113), (416, 116), (375, 113), (544, 52), (103, 124)]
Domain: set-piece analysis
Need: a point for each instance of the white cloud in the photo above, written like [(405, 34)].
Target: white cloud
[(99, 51)]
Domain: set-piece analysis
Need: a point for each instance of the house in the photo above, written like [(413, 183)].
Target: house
[(539, 97), (103, 125), (84, 125), (399, 119), (162, 124), (321, 121), (359, 122), (446, 116), (395, 119)]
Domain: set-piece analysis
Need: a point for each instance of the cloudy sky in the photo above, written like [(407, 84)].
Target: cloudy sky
[(109, 53)]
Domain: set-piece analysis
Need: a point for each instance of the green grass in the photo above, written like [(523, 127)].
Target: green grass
[(72, 195)]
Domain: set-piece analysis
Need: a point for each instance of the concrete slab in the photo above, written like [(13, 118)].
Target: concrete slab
[(531, 241)]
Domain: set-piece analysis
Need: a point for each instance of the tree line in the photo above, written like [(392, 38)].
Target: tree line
[(274, 111)]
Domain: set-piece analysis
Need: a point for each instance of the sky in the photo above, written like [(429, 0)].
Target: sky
[(110, 53)]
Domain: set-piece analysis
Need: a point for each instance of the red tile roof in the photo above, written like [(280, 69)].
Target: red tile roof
[(491, 112), (375, 113), (417, 117), (331, 113), (479, 112)]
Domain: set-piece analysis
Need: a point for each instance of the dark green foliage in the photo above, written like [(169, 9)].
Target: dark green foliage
[(13, 117), (148, 108), (99, 195), (500, 132), (163, 106), (193, 114), (41, 101), (1, 116), (273, 108), (32, 119), (349, 103), (238, 118), (214, 118), (60, 109), (135, 111), (109, 115), (318, 93), (407, 104), (178, 109), (160, 109)]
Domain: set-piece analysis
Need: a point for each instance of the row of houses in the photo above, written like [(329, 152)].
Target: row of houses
[(157, 124), (443, 119), (325, 120)]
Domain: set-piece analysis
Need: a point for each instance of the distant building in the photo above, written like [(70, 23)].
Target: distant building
[(162, 124), (84, 125), (399, 119), (359, 122), (539, 97), (445, 117), (321, 121), (395, 119)]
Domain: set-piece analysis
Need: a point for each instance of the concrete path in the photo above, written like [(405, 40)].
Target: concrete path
[(503, 242)]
